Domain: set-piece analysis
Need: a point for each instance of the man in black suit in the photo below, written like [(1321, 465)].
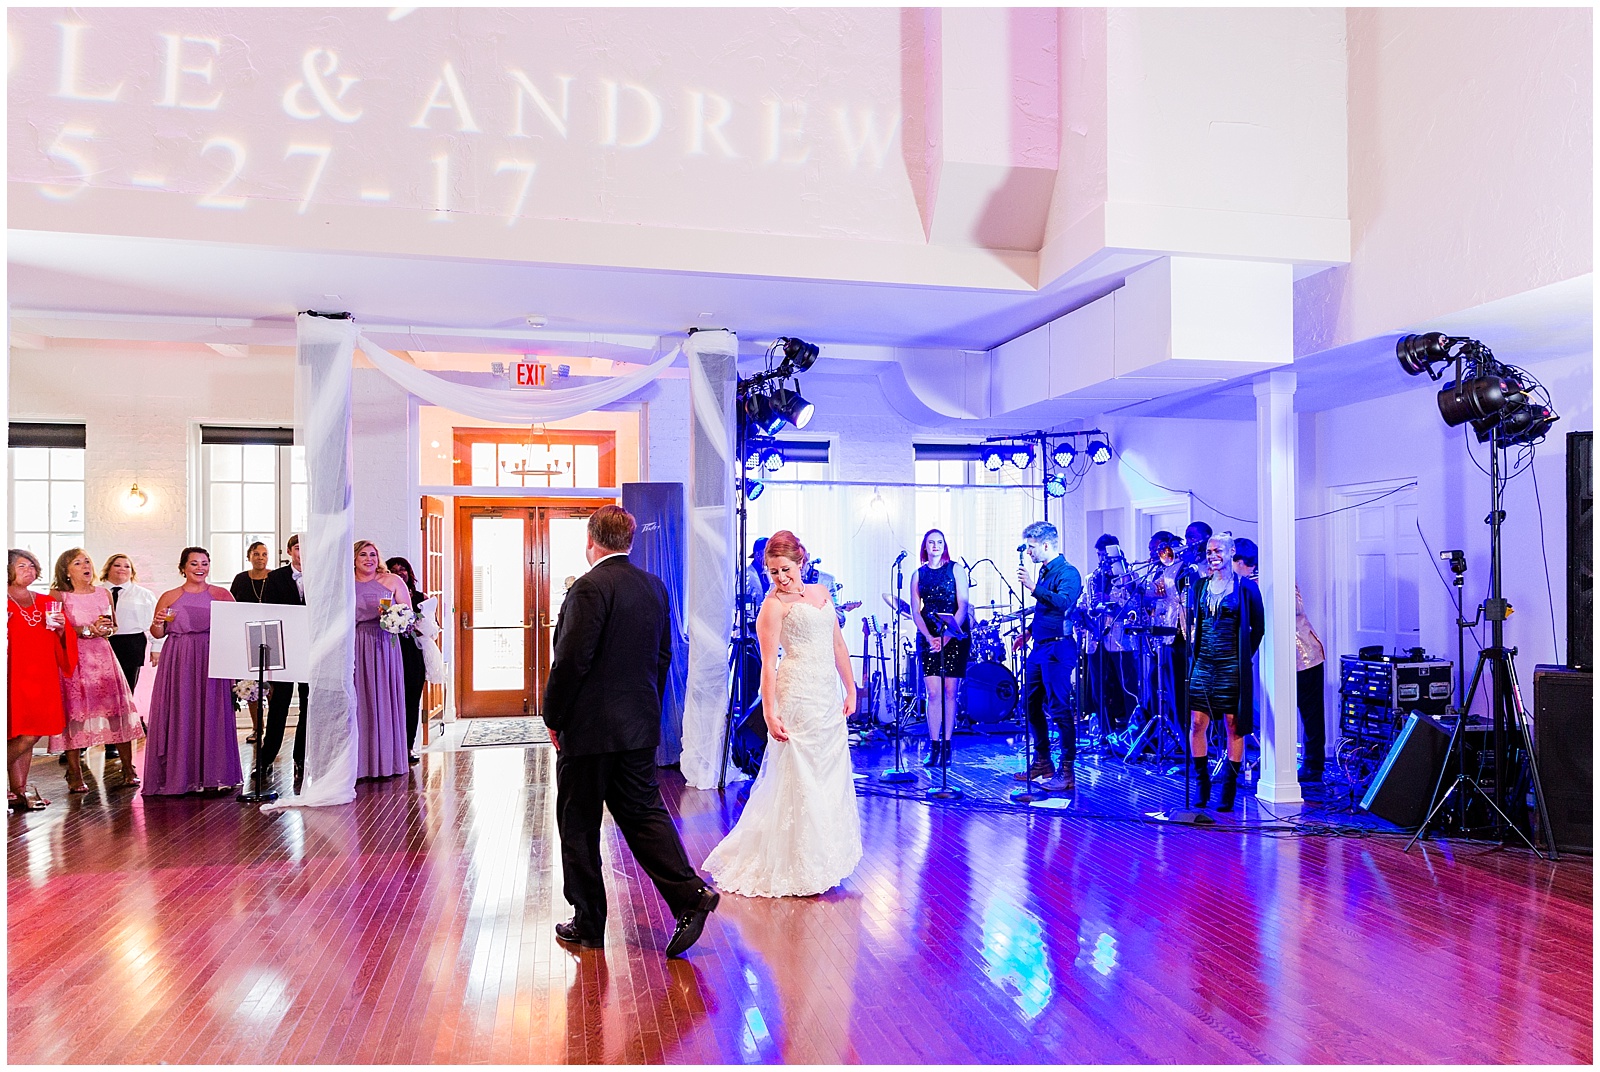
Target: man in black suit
[(284, 586), (602, 704)]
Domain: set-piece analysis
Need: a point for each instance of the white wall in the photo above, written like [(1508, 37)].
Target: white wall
[(139, 404)]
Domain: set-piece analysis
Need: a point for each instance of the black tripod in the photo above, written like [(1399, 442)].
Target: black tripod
[(1506, 710)]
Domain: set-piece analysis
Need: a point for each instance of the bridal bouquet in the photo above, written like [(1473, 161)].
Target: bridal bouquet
[(398, 619), (246, 690)]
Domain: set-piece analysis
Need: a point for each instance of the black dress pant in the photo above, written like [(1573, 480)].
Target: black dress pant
[(1308, 694), (416, 677), (1047, 692), (129, 650), (278, 720), (1112, 674), (624, 782)]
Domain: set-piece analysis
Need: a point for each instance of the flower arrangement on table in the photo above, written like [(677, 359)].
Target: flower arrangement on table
[(397, 618), (246, 690)]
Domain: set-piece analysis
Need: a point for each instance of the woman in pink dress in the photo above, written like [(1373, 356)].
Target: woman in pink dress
[(99, 706)]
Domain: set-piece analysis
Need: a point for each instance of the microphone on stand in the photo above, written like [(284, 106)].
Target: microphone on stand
[(901, 558)]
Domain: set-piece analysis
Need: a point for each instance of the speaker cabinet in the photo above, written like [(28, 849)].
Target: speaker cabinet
[(1563, 739), (1580, 552), (1400, 790)]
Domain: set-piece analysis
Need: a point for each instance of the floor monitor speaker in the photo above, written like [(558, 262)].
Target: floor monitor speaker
[(1401, 789)]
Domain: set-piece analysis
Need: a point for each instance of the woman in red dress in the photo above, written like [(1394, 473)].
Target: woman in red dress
[(40, 651)]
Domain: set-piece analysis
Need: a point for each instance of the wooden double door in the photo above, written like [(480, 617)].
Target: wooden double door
[(515, 560)]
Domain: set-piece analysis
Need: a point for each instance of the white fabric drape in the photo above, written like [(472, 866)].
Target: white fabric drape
[(322, 412), (709, 608), (513, 407)]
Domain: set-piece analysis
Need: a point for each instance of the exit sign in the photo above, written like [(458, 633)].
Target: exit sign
[(530, 374)]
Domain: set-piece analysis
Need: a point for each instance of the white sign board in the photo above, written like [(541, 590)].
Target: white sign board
[(230, 650)]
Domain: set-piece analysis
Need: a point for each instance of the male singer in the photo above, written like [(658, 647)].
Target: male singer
[(1048, 685), (285, 586)]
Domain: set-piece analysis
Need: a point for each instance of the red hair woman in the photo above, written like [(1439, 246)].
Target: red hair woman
[(939, 592)]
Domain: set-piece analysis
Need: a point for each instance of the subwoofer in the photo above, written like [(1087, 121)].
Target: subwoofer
[(1580, 552), (1563, 739), (1401, 789)]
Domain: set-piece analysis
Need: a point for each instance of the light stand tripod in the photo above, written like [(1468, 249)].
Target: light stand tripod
[(1505, 697), (897, 774), (739, 690)]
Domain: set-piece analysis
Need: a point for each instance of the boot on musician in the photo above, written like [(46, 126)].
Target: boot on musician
[(1048, 685)]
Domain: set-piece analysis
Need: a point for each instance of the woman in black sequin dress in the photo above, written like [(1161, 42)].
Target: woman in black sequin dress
[(1225, 627), (940, 587)]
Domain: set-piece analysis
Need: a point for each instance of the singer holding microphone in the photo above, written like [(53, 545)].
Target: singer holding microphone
[(1047, 687), (939, 592)]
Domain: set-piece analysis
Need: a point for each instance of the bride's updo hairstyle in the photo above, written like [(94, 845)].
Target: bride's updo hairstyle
[(785, 544)]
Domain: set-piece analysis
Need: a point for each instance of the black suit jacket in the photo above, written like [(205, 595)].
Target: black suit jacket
[(279, 587), (612, 648)]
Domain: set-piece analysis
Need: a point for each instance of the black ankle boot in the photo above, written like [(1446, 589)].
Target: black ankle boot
[(1230, 785), (1202, 775), (944, 753), (933, 753)]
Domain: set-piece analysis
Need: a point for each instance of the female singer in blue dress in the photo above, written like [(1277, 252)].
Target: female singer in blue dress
[(380, 674), (1226, 624), (940, 587)]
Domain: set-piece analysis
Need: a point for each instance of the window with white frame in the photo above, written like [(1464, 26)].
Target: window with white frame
[(797, 461), (46, 495), (253, 487)]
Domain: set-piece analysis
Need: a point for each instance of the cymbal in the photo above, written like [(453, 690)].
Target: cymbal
[(1015, 615), (899, 606)]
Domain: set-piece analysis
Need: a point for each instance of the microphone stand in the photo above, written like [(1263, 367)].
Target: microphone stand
[(896, 775), (1029, 792)]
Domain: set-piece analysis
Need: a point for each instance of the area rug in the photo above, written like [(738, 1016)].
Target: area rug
[(492, 732)]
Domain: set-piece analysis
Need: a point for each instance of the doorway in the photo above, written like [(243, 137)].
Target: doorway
[(515, 558)]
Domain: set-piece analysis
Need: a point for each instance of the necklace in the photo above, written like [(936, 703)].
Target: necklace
[(258, 591), (31, 619)]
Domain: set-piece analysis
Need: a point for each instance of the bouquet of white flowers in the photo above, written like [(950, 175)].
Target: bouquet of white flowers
[(246, 690), (397, 618)]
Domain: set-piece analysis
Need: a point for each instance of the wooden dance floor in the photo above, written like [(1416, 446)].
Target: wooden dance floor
[(414, 926)]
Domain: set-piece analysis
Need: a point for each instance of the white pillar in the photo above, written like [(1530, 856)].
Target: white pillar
[(713, 376), (324, 349), (1275, 505)]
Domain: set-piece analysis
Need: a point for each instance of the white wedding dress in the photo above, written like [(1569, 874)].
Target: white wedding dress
[(800, 833)]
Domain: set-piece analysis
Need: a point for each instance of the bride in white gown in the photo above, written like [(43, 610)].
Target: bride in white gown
[(800, 832)]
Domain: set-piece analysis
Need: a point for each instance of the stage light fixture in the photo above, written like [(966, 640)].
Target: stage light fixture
[(771, 459), (753, 488), (1419, 353), (1064, 454), (1020, 455), (762, 416), (1055, 486), (1479, 398), (791, 407), (798, 354), (1099, 451), (992, 460), (752, 462)]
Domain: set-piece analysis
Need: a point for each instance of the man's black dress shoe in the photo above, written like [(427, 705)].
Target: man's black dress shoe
[(568, 932), (692, 922)]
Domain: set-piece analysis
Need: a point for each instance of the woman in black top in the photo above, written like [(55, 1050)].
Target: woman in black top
[(940, 587), (247, 588), (411, 657), (1226, 623)]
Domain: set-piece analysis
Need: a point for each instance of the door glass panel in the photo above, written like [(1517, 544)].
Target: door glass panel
[(567, 564), (499, 660)]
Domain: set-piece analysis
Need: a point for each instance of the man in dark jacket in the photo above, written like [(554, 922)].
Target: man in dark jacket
[(285, 587), (602, 703)]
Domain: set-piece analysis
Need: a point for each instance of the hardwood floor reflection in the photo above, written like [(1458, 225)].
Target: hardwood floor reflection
[(415, 926)]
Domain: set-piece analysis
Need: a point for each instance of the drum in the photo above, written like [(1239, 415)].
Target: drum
[(988, 694), (986, 644)]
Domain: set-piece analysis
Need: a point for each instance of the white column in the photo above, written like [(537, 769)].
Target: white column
[(1275, 505), (324, 349), (713, 376)]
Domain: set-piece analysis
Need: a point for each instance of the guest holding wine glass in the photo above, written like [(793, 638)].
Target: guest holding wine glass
[(98, 702), (194, 742), (380, 673), (133, 607), (250, 587), (40, 651), (416, 671)]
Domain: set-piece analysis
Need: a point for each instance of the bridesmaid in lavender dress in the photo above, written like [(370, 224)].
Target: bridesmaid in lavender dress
[(380, 673), (193, 742)]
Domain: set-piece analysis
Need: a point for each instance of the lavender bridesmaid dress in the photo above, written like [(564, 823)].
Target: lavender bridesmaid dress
[(380, 689), (193, 741)]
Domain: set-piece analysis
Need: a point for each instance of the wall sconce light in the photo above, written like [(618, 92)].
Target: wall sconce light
[(136, 499)]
